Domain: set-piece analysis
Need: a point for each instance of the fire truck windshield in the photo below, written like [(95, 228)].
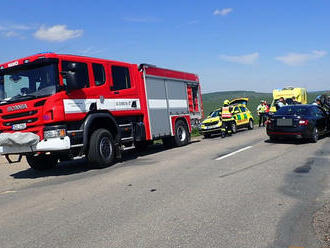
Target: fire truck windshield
[(28, 82)]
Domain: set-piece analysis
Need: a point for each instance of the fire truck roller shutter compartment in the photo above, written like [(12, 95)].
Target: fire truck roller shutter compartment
[(158, 108), (166, 98), (177, 97)]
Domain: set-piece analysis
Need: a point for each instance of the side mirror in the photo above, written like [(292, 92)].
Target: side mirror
[(71, 80), (72, 77), (72, 67)]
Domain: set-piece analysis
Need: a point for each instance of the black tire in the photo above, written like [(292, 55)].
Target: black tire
[(181, 137), (101, 149), (42, 162), (273, 139), (251, 124), (207, 135), (315, 135), (233, 127)]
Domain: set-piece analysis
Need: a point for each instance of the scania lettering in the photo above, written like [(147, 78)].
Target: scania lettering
[(55, 107)]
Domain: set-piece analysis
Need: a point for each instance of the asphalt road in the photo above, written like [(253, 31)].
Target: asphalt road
[(241, 191)]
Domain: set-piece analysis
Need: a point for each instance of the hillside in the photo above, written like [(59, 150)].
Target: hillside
[(215, 99)]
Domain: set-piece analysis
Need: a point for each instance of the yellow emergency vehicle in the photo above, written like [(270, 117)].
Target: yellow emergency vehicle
[(212, 124), (287, 93), (236, 114), (241, 114)]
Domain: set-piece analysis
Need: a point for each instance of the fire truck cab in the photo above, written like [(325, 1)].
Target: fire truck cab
[(54, 107)]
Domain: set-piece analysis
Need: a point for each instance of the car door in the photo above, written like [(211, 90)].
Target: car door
[(321, 120), (245, 119), (237, 115)]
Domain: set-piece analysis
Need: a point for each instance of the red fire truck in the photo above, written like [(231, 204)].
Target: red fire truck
[(55, 107)]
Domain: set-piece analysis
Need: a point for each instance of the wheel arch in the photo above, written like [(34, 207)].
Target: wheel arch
[(185, 119), (98, 120)]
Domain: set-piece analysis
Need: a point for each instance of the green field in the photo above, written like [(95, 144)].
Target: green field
[(214, 100)]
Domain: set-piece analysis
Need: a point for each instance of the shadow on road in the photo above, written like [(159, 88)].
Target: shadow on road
[(81, 165), (291, 141), (64, 168), (306, 183), (218, 135)]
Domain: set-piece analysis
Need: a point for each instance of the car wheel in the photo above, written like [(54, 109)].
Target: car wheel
[(315, 135), (101, 149), (42, 162), (251, 124), (273, 139), (233, 127)]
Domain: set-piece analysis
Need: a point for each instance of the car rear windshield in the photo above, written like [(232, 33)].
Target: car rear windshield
[(294, 110)]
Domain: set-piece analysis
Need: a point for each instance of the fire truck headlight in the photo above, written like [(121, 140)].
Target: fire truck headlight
[(54, 133)]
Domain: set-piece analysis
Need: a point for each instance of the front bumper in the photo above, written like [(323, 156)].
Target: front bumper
[(49, 145), (210, 130)]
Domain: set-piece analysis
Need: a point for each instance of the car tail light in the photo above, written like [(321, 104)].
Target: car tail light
[(303, 122)]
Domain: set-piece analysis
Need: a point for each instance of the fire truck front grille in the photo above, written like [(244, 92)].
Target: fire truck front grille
[(10, 123), (19, 115), (211, 123)]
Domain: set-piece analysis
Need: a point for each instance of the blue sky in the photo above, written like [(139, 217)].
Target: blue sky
[(232, 45)]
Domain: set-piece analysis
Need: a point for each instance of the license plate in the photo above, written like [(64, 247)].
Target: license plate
[(19, 126), (284, 122)]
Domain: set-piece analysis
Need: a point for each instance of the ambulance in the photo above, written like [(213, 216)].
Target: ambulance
[(287, 93)]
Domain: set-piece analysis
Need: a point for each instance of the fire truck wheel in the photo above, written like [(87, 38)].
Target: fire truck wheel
[(181, 137), (42, 161), (101, 149)]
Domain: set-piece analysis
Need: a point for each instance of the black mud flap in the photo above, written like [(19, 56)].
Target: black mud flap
[(118, 151), (19, 159)]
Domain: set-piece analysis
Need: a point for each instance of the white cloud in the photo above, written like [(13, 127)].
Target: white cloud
[(296, 59), (11, 34), (22, 27), (222, 12), (57, 33), (15, 30), (247, 59)]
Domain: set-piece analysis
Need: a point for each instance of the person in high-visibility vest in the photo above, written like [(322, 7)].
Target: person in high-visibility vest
[(261, 110), (227, 117)]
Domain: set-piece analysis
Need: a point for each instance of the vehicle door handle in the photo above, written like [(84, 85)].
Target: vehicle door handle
[(116, 92)]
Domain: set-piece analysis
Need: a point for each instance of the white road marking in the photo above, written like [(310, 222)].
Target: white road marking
[(233, 153), (7, 192)]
